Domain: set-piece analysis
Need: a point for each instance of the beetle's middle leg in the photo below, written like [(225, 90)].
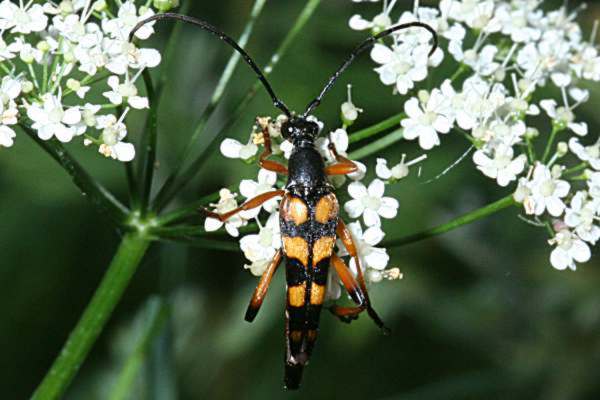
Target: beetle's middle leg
[(343, 166), (268, 164), (346, 237), (249, 205)]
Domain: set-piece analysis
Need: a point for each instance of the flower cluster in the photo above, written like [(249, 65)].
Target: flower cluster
[(504, 52), (55, 56)]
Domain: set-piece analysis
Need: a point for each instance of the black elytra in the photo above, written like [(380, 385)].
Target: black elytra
[(310, 223)]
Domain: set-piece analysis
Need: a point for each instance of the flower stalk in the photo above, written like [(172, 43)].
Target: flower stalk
[(456, 223), (131, 250)]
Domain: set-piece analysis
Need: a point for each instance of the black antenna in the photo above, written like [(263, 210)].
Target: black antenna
[(227, 39), (362, 47)]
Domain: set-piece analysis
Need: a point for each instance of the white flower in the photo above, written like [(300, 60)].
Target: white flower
[(500, 165), (260, 248), (340, 140), (113, 132), (373, 259), (398, 171), (402, 65), (127, 19), (563, 116), (425, 120), (370, 203), (51, 119), (123, 55), (569, 249), (226, 203), (6, 136), (349, 110), (20, 19), (125, 90), (380, 22), (231, 148), (249, 189), (582, 215), (589, 154), (547, 192)]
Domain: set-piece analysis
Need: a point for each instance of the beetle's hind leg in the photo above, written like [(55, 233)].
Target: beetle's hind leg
[(357, 288), (249, 205), (264, 163), (263, 285)]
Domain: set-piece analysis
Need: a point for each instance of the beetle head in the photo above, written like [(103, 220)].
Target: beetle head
[(299, 129)]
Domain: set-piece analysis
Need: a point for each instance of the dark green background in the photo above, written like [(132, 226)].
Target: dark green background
[(479, 314)]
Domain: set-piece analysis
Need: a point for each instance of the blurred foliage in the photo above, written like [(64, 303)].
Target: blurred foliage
[(480, 312)]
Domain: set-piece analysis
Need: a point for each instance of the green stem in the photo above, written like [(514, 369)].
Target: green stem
[(157, 312), (203, 243), (455, 223), (91, 188), (577, 168), (124, 264), (555, 130), (149, 143), (173, 184), (164, 194), (377, 145), (379, 127)]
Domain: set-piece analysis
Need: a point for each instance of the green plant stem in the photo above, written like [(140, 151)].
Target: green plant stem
[(203, 243), (175, 183), (157, 312), (124, 264), (553, 134), (378, 145), (162, 197), (149, 143), (92, 189), (391, 122), (465, 219)]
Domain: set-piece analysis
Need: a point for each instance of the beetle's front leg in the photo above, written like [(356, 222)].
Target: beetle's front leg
[(268, 164), (343, 166), (249, 205)]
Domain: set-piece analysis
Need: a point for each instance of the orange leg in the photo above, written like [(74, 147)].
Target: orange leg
[(343, 166), (263, 285), (268, 164), (347, 314), (249, 205), (346, 237)]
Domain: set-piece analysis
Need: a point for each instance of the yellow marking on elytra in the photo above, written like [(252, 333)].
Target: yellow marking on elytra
[(294, 209), (323, 248), (296, 295), (296, 336), (296, 247), (327, 209), (311, 335), (317, 294)]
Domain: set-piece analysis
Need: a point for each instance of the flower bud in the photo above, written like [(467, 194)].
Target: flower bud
[(65, 7), (165, 5), (531, 133), (557, 171), (73, 84), (27, 86), (423, 96), (43, 46), (100, 5), (561, 149)]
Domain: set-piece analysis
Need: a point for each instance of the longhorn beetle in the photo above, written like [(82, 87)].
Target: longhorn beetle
[(309, 215)]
